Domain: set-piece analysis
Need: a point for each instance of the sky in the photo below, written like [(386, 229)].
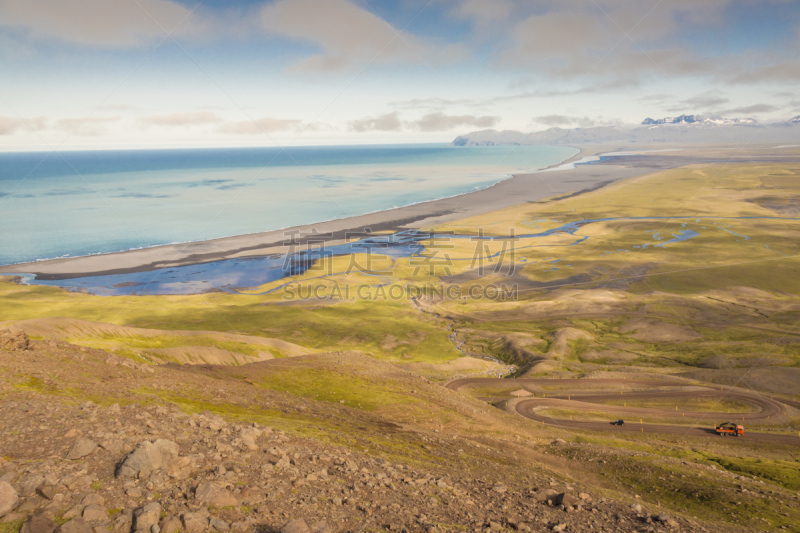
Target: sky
[(97, 74)]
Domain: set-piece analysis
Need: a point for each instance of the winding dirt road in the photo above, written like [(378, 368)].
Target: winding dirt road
[(579, 397)]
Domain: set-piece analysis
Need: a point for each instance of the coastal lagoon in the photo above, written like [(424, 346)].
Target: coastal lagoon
[(72, 204)]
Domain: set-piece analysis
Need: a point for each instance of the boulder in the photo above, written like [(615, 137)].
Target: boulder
[(170, 524), (76, 525), (46, 491), (194, 522), (296, 526), (95, 513), (8, 498), (146, 457), (27, 485), (249, 436), (146, 517), (545, 495), (211, 494), (93, 498), (180, 468), (39, 524), (218, 524), (82, 448), (13, 341), (566, 499)]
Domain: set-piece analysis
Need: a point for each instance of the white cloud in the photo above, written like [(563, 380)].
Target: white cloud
[(197, 118), (10, 125), (751, 109), (442, 122), (112, 23), (349, 37), (387, 122), (259, 126), (572, 122), (91, 126)]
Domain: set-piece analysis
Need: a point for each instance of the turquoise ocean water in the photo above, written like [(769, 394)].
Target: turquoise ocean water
[(80, 203)]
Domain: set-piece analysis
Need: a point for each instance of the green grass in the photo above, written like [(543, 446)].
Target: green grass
[(696, 404), (362, 325), (602, 416), (345, 389), (694, 491), (11, 527)]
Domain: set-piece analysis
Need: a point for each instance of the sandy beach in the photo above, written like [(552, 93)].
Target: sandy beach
[(519, 189)]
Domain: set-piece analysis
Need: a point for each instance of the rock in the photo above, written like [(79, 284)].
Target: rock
[(27, 486), (146, 457), (12, 517), (559, 441), (39, 524), (82, 448), (560, 527), (321, 527), (170, 524), (663, 518), (180, 468), (248, 437), (585, 497), (95, 513), (76, 525), (672, 523), (211, 494), (194, 522), (155, 528), (8, 498), (546, 495), (14, 341), (218, 524), (28, 505), (46, 491), (495, 526), (565, 499), (93, 498), (296, 526), (73, 512), (146, 517), (112, 446), (636, 508), (500, 488)]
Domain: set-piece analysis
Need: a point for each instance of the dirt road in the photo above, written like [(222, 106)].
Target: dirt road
[(575, 394)]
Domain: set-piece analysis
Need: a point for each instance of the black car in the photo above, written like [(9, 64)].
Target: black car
[(617, 422)]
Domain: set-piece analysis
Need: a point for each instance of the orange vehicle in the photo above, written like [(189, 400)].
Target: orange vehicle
[(729, 428)]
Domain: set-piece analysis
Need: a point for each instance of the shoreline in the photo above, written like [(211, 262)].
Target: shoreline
[(546, 183)]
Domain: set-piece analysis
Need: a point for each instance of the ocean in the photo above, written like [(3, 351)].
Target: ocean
[(70, 204)]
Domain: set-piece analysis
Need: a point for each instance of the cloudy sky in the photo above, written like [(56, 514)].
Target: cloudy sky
[(159, 73)]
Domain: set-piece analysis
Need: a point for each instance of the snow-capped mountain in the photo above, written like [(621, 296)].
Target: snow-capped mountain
[(682, 129), (700, 120), (683, 119)]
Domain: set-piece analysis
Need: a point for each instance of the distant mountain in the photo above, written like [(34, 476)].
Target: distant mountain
[(700, 120), (683, 119), (682, 129)]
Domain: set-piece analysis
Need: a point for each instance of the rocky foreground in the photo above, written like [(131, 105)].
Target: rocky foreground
[(70, 467)]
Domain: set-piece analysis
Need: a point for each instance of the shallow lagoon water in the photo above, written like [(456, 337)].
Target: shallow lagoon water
[(233, 275)]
